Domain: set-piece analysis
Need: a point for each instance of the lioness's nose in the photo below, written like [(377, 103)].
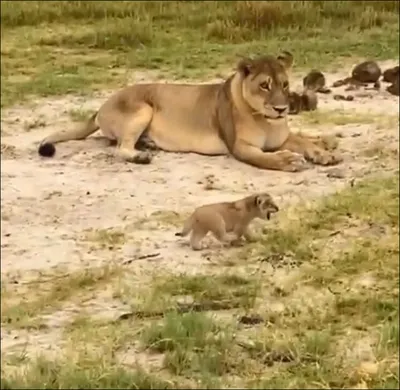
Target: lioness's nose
[(280, 109)]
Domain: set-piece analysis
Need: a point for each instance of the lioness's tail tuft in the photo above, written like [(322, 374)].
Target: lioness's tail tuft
[(47, 149), (179, 234)]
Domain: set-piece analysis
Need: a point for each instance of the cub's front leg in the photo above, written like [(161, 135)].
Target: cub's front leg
[(242, 231), (312, 151)]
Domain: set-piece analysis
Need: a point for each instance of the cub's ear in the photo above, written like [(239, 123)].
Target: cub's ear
[(257, 200), (245, 66), (286, 59)]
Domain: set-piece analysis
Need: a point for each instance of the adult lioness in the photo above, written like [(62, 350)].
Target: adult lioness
[(245, 116)]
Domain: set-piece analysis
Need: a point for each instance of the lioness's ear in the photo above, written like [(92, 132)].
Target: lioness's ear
[(286, 59), (244, 66)]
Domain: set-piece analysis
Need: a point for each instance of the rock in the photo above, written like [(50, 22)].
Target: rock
[(366, 72), (391, 74), (336, 173), (252, 319)]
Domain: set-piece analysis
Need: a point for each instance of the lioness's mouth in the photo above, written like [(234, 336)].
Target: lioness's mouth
[(274, 118)]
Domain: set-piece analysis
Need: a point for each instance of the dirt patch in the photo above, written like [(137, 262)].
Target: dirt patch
[(49, 206)]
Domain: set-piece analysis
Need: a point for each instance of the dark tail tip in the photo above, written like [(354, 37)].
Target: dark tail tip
[(47, 150), (179, 234)]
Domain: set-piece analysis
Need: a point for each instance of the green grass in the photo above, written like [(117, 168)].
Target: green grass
[(86, 372), (202, 291), (55, 48), (342, 298), (191, 341)]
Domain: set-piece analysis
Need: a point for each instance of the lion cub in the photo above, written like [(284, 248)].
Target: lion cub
[(226, 217)]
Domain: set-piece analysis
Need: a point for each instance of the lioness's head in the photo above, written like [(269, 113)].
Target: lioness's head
[(265, 205), (265, 84)]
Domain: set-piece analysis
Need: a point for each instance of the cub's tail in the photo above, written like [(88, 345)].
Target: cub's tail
[(47, 148)]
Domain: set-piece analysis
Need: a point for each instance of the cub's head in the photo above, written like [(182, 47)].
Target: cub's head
[(265, 205), (265, 85)]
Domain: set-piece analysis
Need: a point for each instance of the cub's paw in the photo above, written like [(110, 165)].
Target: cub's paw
[(237, 242), (251, 238), (290, 162), (320, 156)]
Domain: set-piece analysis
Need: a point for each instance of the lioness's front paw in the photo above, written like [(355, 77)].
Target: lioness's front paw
[(322, 157), (291, 162), (328, 142), (142, 158), (133, 156)]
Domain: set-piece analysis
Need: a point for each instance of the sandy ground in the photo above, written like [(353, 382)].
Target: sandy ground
[(47, 205)]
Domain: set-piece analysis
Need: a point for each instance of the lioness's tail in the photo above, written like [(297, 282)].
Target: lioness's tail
[(47, 148), (187, 227)]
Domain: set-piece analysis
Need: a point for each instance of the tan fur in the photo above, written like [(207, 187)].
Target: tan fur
[(245, 116), (226, 217)]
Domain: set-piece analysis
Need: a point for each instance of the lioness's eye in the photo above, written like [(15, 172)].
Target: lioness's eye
[(264, 85), (285, 85)]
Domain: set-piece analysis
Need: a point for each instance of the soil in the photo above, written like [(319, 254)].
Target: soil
[(48, 206)]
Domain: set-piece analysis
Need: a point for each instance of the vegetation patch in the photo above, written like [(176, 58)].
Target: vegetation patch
[(46, 294), (102, 42)]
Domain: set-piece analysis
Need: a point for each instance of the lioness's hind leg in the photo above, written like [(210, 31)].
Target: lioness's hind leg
[(131, 129)]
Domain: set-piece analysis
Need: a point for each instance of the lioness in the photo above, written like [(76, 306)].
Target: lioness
[(226, 217), (245, 116)]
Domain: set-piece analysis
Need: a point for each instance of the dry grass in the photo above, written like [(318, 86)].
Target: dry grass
[(27, 302), (340, 117), (319, 294), (105, 238), (79, 115), (55, 48)]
